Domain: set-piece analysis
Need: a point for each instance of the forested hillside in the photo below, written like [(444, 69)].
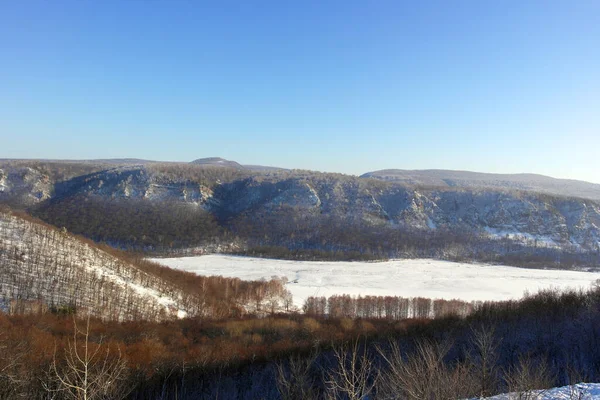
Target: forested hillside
[(45, 269), (178, 207)]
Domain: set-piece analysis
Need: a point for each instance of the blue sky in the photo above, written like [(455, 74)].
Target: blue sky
[(492, 86)]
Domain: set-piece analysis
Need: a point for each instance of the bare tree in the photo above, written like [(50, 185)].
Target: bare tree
[(11, 380), (423, 374), (484, 359), (527, 380), (354, 377), (90, 371), (295, 381), (576, 392)]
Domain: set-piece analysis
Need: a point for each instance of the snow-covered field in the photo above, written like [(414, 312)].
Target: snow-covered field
[(581, 391), (406, 278)]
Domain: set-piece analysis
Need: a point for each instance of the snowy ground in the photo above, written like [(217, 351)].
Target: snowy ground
[(406, 278), (581, 391)]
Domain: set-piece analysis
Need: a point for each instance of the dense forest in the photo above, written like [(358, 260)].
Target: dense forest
[(137, 225)]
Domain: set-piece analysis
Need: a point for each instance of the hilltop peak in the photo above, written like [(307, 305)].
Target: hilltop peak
[(217, 161)]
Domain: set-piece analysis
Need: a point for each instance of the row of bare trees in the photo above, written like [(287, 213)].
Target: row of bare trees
[(390, 307)]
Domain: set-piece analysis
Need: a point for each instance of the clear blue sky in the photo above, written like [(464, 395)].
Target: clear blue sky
[(492, 86)]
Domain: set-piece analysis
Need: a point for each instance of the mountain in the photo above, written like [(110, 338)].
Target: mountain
[(466, 179), (162, 207), (221, 162)]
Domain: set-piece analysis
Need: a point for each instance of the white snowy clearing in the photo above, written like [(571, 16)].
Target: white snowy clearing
[(581, 391), (407, 278)]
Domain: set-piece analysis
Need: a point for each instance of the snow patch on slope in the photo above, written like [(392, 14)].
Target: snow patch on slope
[(541, 240), (3, 183)]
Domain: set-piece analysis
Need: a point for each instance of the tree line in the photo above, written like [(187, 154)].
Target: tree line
[(388, 307)]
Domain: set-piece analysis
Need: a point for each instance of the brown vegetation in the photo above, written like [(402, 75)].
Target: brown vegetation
[(315, 357)]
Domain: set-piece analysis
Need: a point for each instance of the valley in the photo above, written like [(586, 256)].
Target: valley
[(315, 200)]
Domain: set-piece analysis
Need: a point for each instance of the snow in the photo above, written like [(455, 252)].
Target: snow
[(542, 241), (406, 278), (581, 391), (3, 184), (144, 291), (431, 224)]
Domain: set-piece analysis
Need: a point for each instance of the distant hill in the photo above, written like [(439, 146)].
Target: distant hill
[(118, 161), (221, 162), (466, 179), (217, 161), (121, 161), (263, 168)]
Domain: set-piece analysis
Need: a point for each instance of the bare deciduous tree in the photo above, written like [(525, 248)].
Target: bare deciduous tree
[(354, 377), (423, 374), (90, 372), (295, 382), (484, 359), (11, 380), (527, 380)]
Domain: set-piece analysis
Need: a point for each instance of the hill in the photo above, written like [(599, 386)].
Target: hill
[(466, 179), (217, 161), (46, 265), (167, 207), (43, 268)]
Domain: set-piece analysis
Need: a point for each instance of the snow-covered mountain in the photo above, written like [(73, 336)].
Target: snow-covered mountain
[(301, 205), (24, 185)]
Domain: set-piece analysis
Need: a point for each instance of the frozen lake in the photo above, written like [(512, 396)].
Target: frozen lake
[(406, 278)]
